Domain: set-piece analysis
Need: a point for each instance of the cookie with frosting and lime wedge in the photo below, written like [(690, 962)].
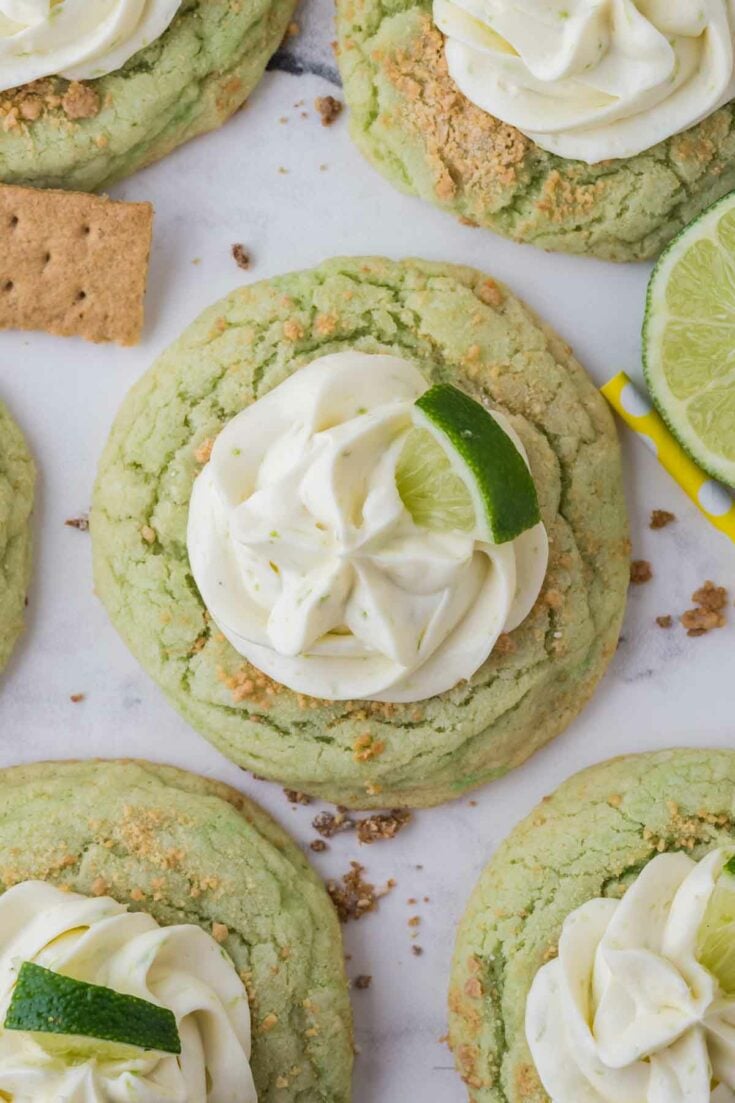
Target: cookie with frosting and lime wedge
[(595, 959), (161, 938), (365, 527)]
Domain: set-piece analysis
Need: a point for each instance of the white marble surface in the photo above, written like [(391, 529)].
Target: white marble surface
[(664, 689)]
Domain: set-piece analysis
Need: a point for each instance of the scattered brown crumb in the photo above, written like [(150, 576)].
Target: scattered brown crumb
[(329, 824), (268, 1022), (363, 981), (293, 30), (148, 534), (219, 932), (318, 845), (240, 255), (296, 797), (382, 826), (80, 101), (665, 622), (99, 886), (76, 698), (80, 523), (660, 518), (353, 898), (710, 601), (329, 108), (416, 951), (640, 571), (414, 921)]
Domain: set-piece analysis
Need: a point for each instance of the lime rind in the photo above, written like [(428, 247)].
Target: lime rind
[(49, 1003), (689, 339), (482, 456)]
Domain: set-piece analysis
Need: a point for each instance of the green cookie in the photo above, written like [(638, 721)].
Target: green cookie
[(409, 118), (458, 326), (186, 849), (188, 81), (591, 838), (17, 482)]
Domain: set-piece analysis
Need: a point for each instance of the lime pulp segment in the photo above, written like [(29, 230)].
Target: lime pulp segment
[(689, 339), (47, 1003), (716, 940), (460, 471)]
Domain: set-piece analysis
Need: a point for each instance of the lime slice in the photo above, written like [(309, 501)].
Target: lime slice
[(689, 339), (459, 471), (716, 937), (88, 1019)]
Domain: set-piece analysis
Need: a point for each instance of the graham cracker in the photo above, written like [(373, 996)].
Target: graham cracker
[(73, 264)]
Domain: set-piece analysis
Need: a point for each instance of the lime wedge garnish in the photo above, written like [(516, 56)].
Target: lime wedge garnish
[(459, 471), (716, 936), (689, 339), (87, 1020)]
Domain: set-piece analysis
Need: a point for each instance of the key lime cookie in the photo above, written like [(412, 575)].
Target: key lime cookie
[(91, 92), (598, 129), (595, 961), (161, 938), (365, 527), (17, 480)]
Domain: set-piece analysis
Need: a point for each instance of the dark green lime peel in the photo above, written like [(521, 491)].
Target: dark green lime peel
[(49, 1003), (729, 866), (496, 460)]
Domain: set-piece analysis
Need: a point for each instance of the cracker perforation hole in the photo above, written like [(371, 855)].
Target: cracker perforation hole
[(81, 295), (8, 285), (13, 221)]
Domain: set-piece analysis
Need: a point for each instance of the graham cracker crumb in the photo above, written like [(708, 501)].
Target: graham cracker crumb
[(353, 898), (268, 1022), (76, 698), (363, 981), (505, 644), (329, 109), (329, 824), (296, 797), (640, 572), (711, 601), (99, 887), (382, 826), (660, 518), (220, 932), (416, 951), (148, 534), (80, 101), (79, 523), (366, 746), (203, 452), (241, 256), (665, 621), (318, 846), (292, 330)]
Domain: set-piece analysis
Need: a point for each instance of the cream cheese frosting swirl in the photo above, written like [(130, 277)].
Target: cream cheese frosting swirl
[(77, 39), (627, 1013), (181, 968), (311, 565), (592, 79)]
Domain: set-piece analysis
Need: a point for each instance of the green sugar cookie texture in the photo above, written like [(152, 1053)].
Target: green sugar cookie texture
[(411, 121), (186, 82), (591, 838), (460, 327), (186, 849), (17, 481)]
